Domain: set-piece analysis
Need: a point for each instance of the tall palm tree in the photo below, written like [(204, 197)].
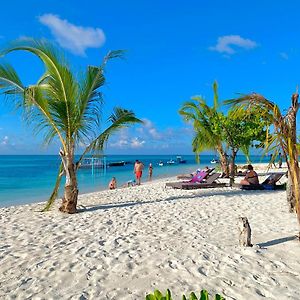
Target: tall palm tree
[(206, 123), (284, 135), (65, 107)]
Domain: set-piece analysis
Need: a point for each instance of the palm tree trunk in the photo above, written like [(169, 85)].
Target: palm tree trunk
[(69, 200), (223, 161), (232, 166), (290, 197), (293, 164)]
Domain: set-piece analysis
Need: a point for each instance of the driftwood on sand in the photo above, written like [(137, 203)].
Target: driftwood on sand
[(244, 232)]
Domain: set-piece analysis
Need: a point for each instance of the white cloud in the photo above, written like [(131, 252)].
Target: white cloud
[(74, 38), (137, 143), (225, 43), (5, 141), (147, 138), (284, 55), (151, 130), (121, 144)]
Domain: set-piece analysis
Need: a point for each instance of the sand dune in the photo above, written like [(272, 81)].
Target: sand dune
[(127, 242)]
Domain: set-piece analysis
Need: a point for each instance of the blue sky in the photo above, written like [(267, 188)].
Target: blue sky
[(175, 49)]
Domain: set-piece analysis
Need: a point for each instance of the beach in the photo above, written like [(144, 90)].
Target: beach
[(125, 243)]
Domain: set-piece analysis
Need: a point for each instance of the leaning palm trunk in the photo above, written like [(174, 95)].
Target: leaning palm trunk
[(290, 195), (293, 163), (69, 200)]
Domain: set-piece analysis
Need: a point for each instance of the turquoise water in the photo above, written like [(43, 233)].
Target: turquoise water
[(27, 179)]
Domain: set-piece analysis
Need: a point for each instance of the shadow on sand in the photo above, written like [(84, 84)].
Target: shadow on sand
[(277, 241), (196, 194)]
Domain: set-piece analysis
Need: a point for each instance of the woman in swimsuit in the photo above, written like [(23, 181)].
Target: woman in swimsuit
[(251, 177)]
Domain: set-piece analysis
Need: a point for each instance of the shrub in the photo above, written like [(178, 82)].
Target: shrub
[(157, 295)]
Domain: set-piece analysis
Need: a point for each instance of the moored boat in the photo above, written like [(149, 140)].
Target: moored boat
[(171, 162), (116, 163), (214, 161), (180, 160)]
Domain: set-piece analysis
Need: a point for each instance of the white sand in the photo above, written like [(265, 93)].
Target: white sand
[(130, 241)]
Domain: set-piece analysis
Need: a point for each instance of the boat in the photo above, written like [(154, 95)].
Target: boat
[(160, 163), (180, 160), (116, 163), (171, 162), (214, 161)]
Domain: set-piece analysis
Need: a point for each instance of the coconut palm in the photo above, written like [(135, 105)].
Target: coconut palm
[(207, 125), (284, 136), (64, 107)]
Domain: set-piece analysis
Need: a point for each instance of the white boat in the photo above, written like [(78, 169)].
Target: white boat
[(214, 161), (180, 160), (171, 162), (160, 163)]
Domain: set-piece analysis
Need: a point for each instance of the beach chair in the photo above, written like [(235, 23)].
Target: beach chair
[(199, 177), (268, 184), (190, 176), (210, 182)]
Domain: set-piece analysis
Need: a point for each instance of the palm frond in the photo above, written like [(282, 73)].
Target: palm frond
[(10, 84), (120, 118), (62, 86)]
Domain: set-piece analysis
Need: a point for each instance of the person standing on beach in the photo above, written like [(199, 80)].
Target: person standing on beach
[(150, 171), (138, 171)]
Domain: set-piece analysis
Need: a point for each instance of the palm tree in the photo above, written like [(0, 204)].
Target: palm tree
[(65, 107), (284, 135), (207, 126)]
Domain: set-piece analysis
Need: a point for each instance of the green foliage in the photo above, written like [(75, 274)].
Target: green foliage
[(205, 121), (157, 295)]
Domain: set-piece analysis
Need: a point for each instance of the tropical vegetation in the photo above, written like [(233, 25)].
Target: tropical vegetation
[(207, 125), (224, 133), (157, 295), (282, 138), (65, 107)]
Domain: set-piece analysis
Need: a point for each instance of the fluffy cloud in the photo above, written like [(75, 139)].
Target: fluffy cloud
[(225, 43), (149, 139), (128, 143), (150, 130), (137, 143), (5, 141), (74, 38)]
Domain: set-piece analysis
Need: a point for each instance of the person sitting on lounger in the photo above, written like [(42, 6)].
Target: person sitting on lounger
[(251, 177)]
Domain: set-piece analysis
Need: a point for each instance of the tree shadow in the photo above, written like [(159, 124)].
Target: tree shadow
[(277, 241), (226, 193)]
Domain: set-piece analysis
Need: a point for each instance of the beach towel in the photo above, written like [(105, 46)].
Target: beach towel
[(199, 177)]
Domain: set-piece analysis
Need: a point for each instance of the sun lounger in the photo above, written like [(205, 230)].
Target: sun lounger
[(209, 183), (190, 176), (268, 184)]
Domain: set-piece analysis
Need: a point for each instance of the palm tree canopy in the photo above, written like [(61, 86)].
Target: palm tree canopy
[(205, 120), (61, 104)]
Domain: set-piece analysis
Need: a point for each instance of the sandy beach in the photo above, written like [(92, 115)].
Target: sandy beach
[(127, 242)]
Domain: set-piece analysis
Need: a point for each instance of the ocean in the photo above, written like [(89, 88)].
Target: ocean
[(31, 178)]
